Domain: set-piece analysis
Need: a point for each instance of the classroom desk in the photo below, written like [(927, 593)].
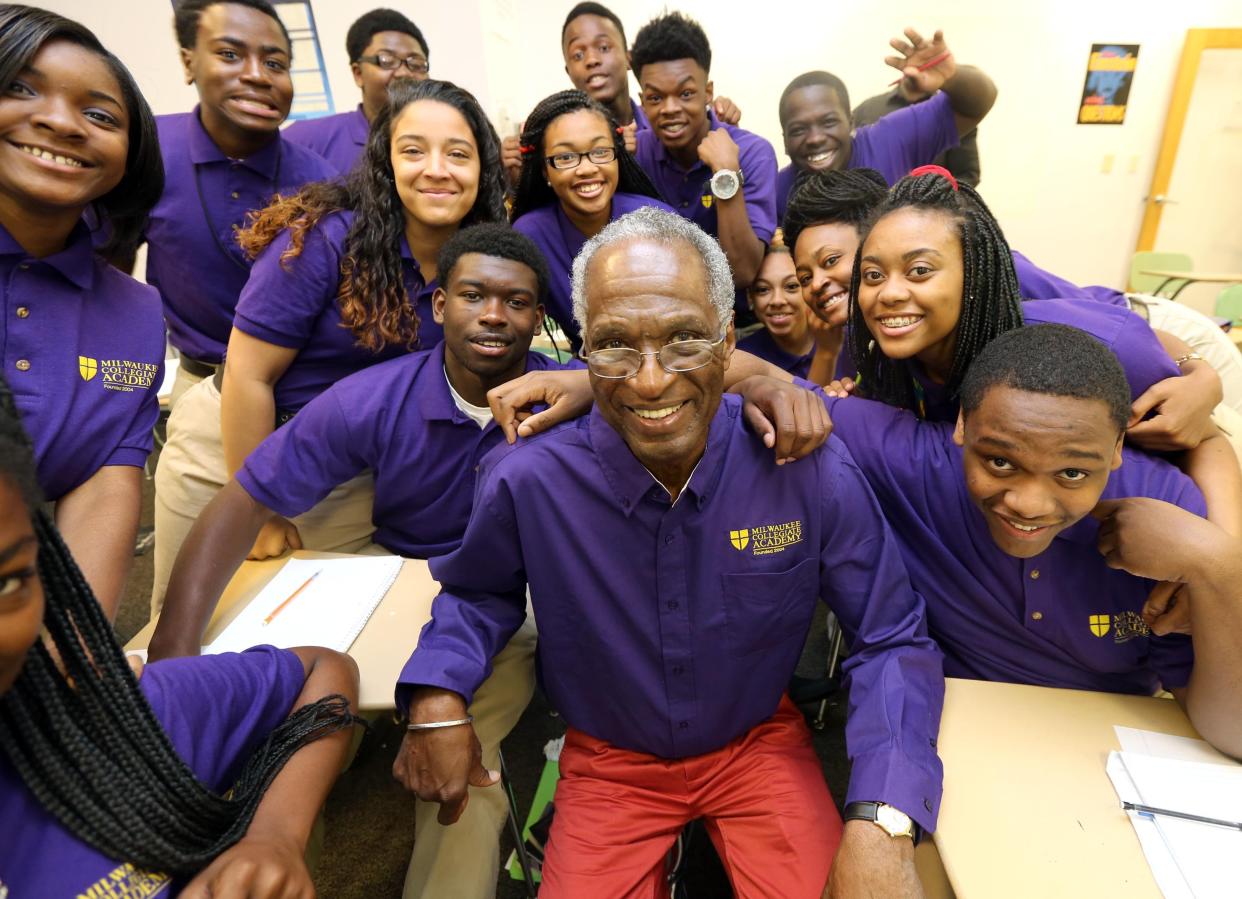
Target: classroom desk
[(1188, 278), (382, 648), (1028, 809)]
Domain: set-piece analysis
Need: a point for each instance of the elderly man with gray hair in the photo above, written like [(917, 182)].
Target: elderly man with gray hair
[(673, 606)]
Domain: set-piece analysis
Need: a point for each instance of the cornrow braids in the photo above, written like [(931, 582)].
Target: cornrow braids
[(86, 743), (991, 299), (849, 196), (533, 190)]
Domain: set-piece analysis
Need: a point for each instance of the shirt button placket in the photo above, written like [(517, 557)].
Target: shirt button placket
[(675, 625)]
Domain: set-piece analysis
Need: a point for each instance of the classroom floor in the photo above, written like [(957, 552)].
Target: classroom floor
[(367, 848)]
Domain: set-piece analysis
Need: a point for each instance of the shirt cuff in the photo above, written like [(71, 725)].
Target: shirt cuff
[(438, 668), (894, 779), (128, 455), (269, 334), (259, 493)]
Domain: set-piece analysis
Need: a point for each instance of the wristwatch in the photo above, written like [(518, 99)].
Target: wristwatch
[(726, 183), (894, 822)]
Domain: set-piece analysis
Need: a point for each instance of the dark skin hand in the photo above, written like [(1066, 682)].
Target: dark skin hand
[(439, 765), (791, 421), (870, 864)]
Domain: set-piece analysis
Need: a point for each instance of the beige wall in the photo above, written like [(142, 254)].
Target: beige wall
[(1042, 173)]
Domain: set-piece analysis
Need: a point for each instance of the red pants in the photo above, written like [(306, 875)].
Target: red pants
[(763, 798)]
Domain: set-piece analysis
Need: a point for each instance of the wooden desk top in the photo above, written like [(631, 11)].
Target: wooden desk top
[(1028, 809), (382, 648), (1211, 277)]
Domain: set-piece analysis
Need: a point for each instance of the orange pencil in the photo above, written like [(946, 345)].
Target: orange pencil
[(276, 611)]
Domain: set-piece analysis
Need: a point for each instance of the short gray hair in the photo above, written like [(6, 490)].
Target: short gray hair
[(651, 223)]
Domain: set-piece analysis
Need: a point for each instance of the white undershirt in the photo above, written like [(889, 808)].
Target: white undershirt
[(480, 415)]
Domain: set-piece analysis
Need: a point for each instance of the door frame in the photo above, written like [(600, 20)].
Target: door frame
[(1197, 40)]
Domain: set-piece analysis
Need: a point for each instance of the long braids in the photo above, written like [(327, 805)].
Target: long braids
[(373, 299), (84, 740), (849, 196), (991, 299), (533, 190)]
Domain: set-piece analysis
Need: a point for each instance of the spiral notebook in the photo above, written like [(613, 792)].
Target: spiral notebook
[(312, 602)]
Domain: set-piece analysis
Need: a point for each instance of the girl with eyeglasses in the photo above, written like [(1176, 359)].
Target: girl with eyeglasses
[(576, 177)]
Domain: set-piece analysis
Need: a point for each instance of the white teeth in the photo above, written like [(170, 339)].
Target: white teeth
[(1020, 527), (51, 157), (900, 321), (491, 343), (831, 301), (657, 413), (821, 157), (589, 190)]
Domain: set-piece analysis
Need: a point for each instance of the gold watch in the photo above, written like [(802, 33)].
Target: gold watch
[(893, 821)]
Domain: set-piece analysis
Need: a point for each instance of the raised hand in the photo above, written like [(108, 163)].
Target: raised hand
[(915, 52)]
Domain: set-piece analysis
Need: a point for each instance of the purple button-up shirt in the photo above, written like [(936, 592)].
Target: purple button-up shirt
[(399, 420), (672, 628), (1038, 284), (560, 240), (192, 258), (762, 345), (294, 304), (83, 351), (216, 711), (893, 145), (1060, 619), (340, 139)]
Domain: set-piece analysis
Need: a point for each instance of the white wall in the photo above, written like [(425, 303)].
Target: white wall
[(1041, 171)]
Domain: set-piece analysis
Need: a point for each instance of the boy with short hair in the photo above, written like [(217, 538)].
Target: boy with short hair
[(382, 45)]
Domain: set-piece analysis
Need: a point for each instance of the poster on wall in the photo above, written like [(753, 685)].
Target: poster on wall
[(1110, 70)]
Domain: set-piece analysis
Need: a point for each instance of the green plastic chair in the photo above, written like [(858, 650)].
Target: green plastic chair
[(1229, 304), (1149, 284)]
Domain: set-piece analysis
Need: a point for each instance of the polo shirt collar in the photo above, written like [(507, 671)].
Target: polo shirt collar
[(76, 262), (435, 402), (361, 128), (203, 149), (631, 481)]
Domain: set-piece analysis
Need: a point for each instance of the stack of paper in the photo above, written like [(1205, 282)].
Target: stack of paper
[(1188, 858), (335, 599)]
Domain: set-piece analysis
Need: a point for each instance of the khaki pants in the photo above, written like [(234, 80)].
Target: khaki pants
[(192, 469), (462, 860), (182, 382)]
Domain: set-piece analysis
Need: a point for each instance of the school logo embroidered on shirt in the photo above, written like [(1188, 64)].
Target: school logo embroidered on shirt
[(766, 539), (706, 200), (1099, 625), (127, 882), (123, 375), (1128, 626)]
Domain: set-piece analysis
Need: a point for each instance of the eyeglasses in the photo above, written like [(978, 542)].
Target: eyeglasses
[(677, 357), (388, 62), (569, 160)]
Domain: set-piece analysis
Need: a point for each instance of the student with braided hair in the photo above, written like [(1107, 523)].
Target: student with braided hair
[(576, 177), (189, 776), (343, 278), (934, 283)]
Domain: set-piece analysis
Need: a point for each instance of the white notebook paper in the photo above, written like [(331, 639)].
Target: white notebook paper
[(1189, 859), (330, 611)]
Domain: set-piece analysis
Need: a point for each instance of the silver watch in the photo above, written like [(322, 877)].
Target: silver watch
[(726, 183)]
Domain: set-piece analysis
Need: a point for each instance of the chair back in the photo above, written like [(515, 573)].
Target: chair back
[(1150, 259), (1229, 304)]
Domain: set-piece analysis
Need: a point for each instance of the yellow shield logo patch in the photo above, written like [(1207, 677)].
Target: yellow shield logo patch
[(740, 539), (706, 200), (87, 367), (1099, 625)]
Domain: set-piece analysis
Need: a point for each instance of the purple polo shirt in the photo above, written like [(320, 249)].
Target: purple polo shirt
[(399, 420), (671, 629), (1038, 284), (640, 117), (893, 145), (689, 191), (216, 711), (762, 344), (294, 304), (1001, 618), (83, 348), (1129, 337), (192, 258), (560, 240), (340, 139)]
